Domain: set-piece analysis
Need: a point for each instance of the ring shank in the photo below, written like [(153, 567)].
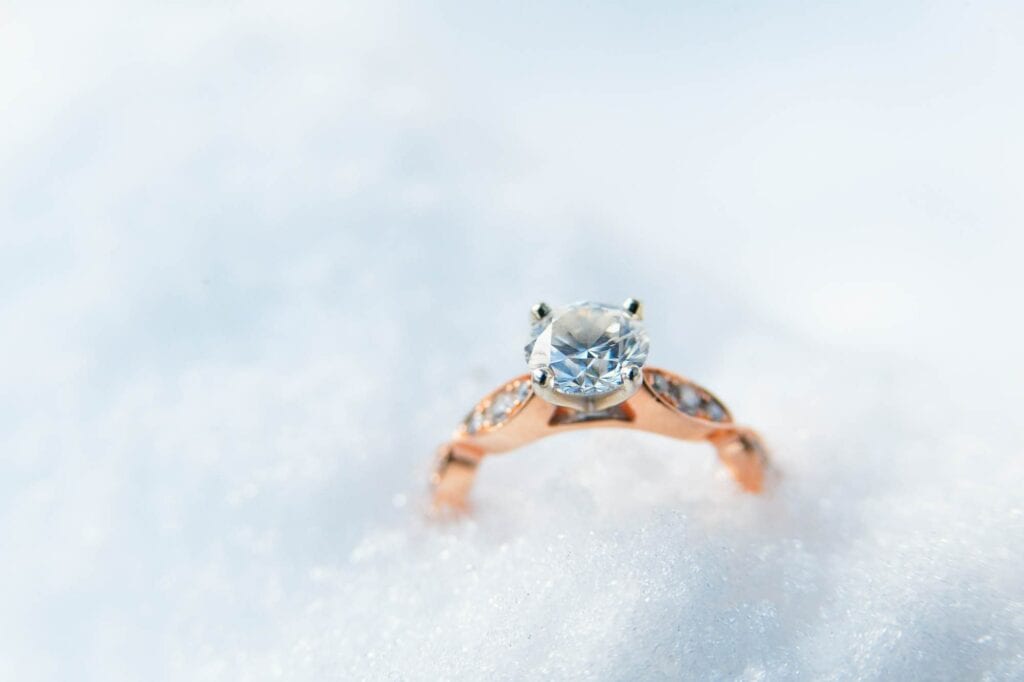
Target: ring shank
[(739, 448)]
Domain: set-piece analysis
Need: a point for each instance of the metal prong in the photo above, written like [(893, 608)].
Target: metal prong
[(539, 311), (544, 388), (634, 307), (632, 375)]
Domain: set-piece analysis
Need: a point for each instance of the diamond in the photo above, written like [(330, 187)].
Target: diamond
[(665, 387), (500, 407), (474, 421), (689, 399), (523, 391), (586, 345), (659, 382), (714, 411)]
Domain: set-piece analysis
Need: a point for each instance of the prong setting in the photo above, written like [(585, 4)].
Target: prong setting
[(587, 356), (632, 375), (586, 403), (634, 307), (539, 311)]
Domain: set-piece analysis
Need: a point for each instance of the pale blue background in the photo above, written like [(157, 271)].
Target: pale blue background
[(256, 259)]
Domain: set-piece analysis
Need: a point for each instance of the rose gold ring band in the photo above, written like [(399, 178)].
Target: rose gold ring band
[(666, 404)]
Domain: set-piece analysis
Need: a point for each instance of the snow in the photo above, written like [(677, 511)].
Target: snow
[(257, 261)]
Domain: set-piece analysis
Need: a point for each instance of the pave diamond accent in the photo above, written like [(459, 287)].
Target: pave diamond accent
[(586, 345), (498, 407), (686, 396), (474, 421)]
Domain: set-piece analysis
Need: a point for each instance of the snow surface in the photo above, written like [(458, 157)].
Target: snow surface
[(257, 260)]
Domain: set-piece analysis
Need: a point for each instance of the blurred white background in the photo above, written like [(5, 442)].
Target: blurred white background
[(258, 259)]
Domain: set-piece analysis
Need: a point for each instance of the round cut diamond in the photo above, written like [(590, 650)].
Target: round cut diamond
[(586, 345)]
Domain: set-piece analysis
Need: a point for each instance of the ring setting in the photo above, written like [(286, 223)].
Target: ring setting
[(588, 368), (588, 355)]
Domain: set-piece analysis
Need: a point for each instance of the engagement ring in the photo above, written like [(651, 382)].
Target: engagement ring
[(587, 363)]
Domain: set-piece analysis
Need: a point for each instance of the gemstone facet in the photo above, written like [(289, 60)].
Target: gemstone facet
[(501, 405), (586, 346), (497, 408), (686, 396)]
